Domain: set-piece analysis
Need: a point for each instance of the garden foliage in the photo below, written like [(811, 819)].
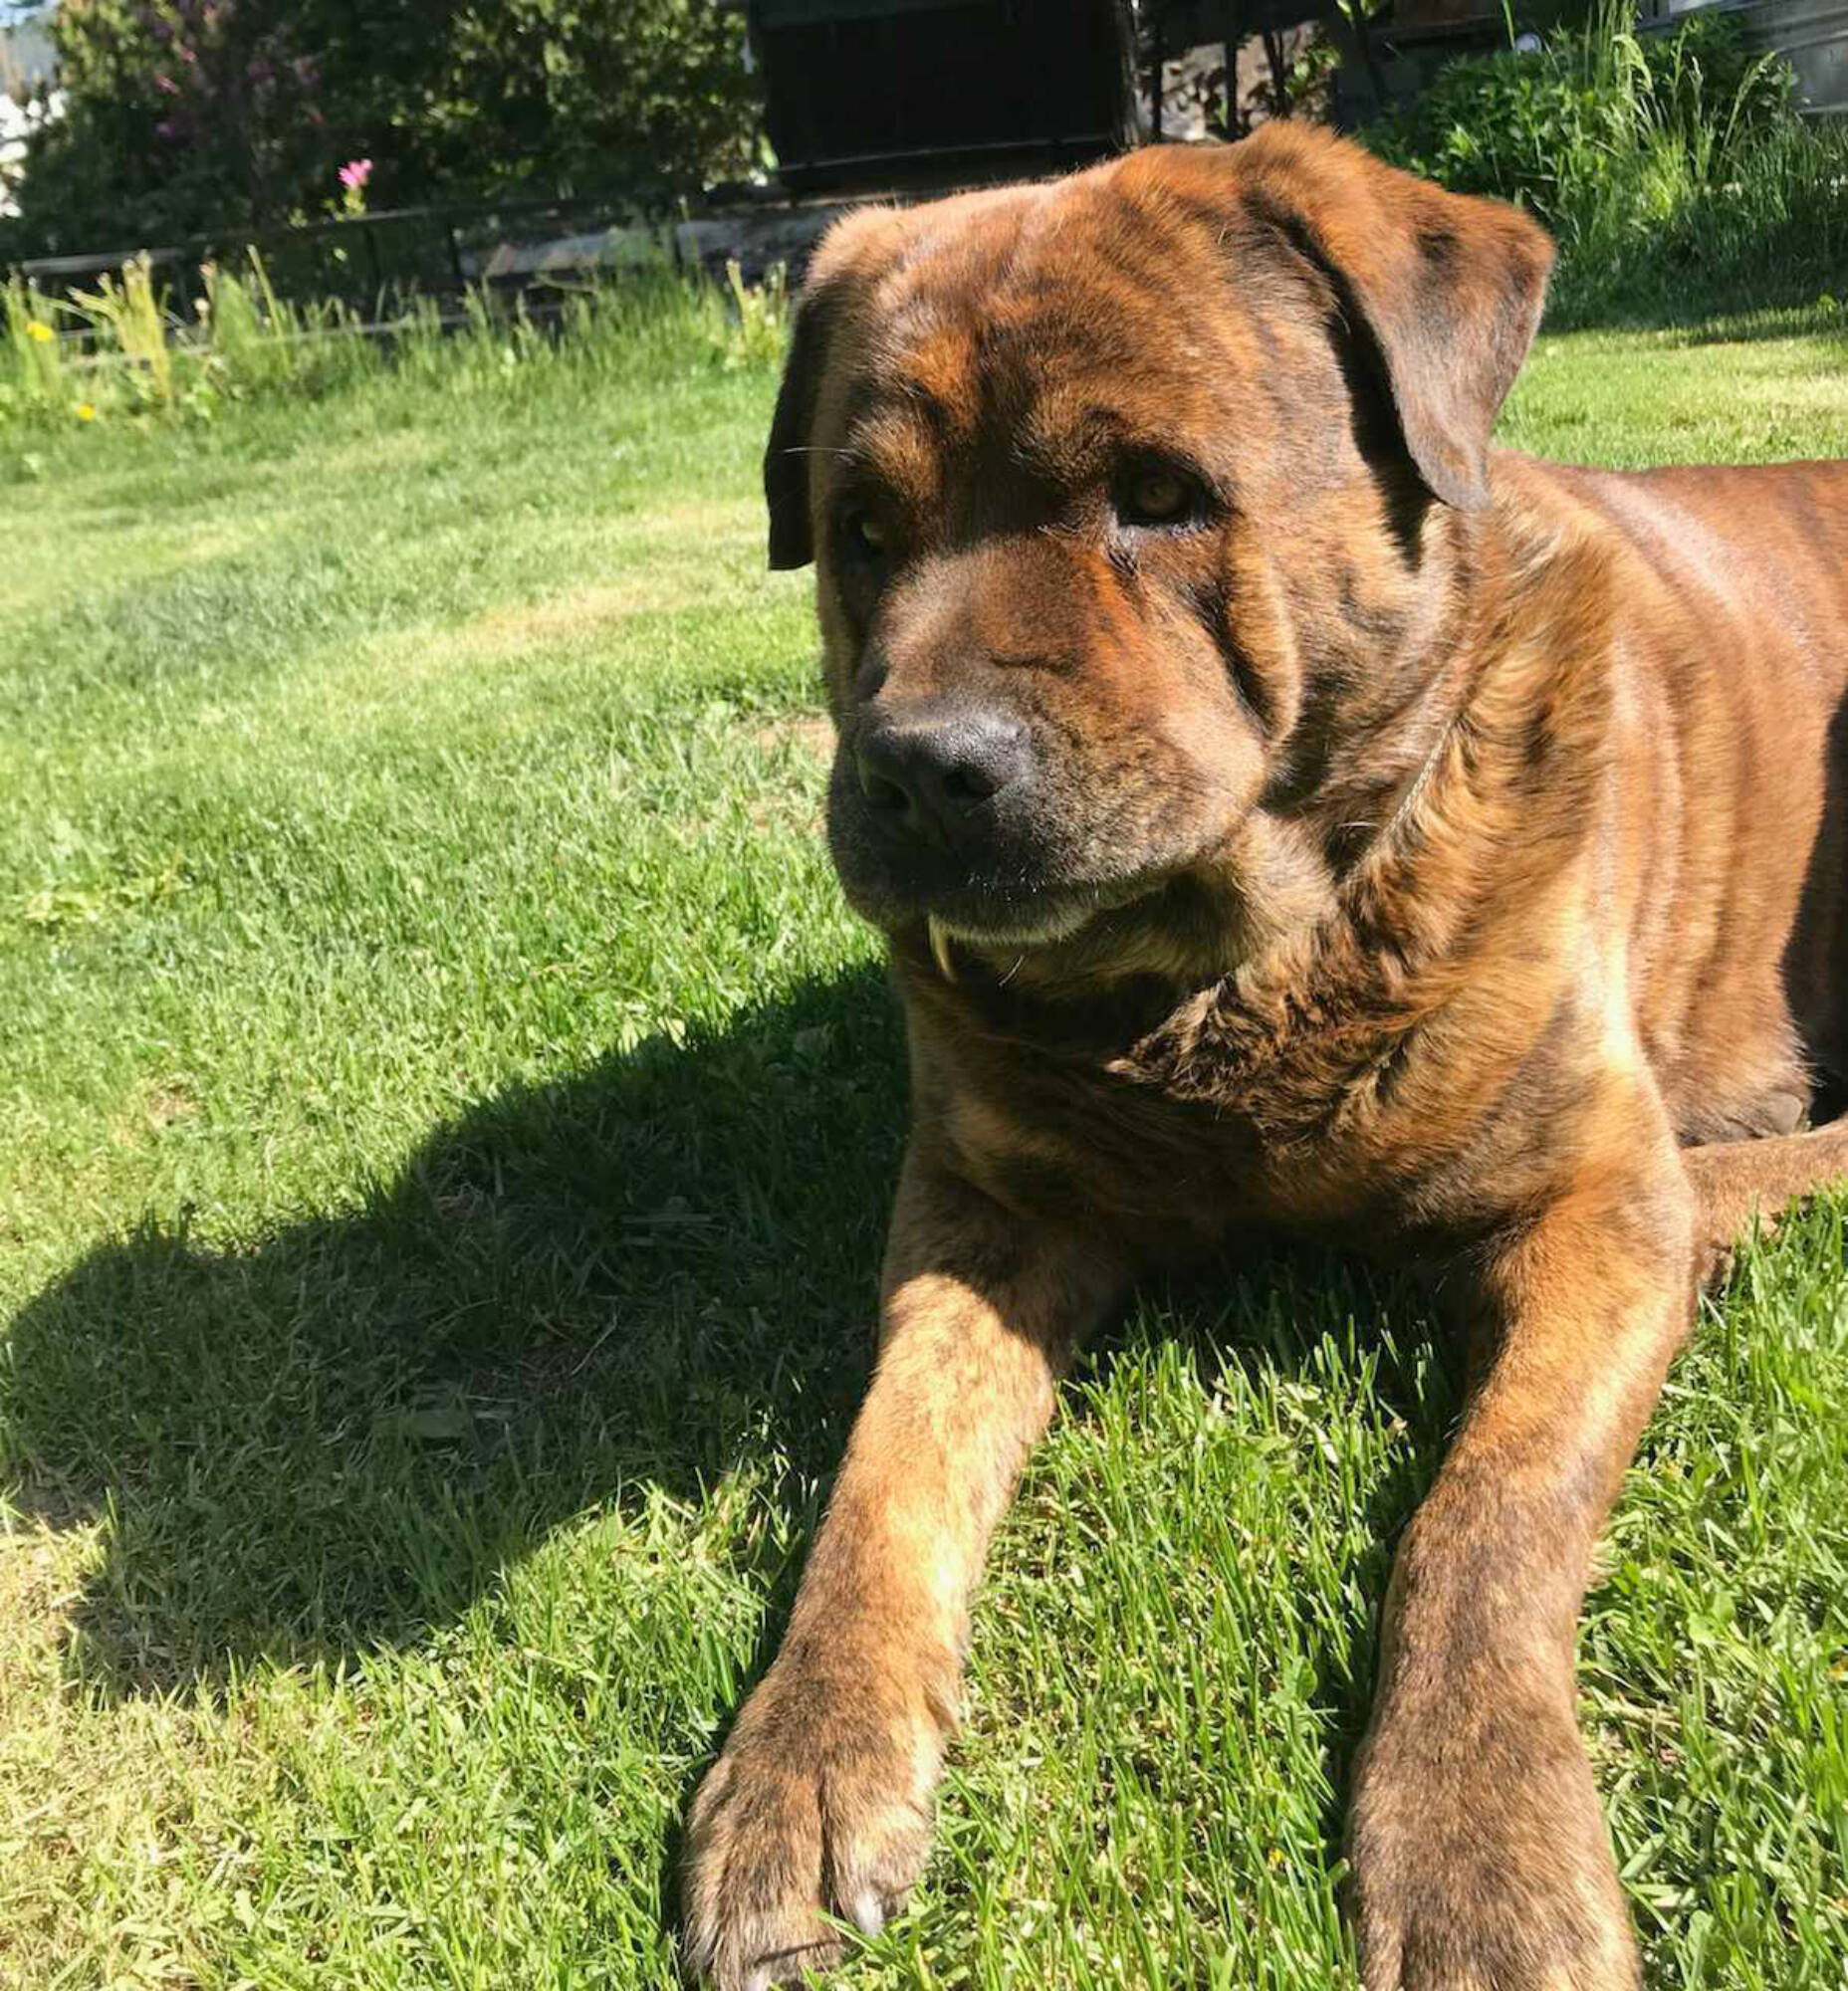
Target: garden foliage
[(194, 115), (119, 354), (1671, 168)]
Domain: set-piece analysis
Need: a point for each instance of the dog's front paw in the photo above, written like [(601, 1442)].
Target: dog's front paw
[(820, 1805), (1481, 1860)]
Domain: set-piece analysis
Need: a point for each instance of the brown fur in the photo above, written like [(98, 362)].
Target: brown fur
[(1419, 842)]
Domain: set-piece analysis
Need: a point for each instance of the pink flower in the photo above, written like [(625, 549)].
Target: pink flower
[(165, 84), (355, 175)]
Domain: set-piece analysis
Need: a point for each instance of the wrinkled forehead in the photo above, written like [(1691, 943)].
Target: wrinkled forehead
[(1059, 325)]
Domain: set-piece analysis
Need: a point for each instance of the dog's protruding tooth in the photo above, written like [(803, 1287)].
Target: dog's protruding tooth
[(940, 947)]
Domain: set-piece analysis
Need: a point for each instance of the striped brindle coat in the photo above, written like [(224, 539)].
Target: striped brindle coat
[(1284, 808)]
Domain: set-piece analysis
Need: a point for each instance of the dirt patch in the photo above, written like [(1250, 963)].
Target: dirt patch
[(152, 1109), (171, 1101), (41, 1505), (810, 733), (568, 617)]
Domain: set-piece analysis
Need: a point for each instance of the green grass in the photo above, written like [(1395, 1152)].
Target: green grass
[(446, 1120)]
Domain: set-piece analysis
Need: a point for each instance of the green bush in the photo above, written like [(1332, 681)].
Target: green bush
[(207, 117), (1672, 168)]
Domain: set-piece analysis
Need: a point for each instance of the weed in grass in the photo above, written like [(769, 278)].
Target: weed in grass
[(756, 334), (73, 905), (254, 337), (39, 376), (250, 345), (127, 320)]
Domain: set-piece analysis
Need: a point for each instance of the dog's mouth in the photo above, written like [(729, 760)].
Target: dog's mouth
[(999, 921), (983, 915), (1053, 921), (992, 870), (1058, 924), (1023, 872)]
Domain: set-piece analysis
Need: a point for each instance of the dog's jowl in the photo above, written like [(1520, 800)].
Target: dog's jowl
[(1284, 808)]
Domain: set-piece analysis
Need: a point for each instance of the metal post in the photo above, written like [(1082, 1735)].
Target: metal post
[(1158, 63), (1279, 86), (1228, 14), (1356, 11)]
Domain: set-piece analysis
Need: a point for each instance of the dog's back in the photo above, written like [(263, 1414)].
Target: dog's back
[(1728, 589)]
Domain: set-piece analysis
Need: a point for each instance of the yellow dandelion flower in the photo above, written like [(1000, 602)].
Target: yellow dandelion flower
[(85, 412), (41, 333)]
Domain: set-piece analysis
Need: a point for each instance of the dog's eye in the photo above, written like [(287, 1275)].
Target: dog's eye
[(1155, 495), (865, 535)]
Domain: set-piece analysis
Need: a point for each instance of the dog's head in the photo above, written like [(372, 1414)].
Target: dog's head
[(1137, 501)]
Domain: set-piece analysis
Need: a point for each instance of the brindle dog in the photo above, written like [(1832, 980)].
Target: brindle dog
[(1282, 806)]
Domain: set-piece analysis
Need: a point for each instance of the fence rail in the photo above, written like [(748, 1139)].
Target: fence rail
[(374, 263)]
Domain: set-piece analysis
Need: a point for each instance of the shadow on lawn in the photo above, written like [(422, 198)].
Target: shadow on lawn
[(1742, 317), (638, 1278)]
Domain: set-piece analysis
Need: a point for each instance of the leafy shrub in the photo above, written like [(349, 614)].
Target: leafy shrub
[(190, 117), (1671, 168), (1543, 128)]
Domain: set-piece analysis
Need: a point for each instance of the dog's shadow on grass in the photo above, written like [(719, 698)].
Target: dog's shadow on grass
[(581, 1293), (632, 1279)]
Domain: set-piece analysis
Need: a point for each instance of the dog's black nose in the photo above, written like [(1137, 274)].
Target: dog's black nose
[(927, 768)]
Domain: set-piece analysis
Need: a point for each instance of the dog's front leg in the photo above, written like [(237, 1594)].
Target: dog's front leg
[(1480, 1857), (821, 1800)]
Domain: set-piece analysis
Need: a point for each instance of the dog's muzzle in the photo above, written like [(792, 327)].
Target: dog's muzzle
[(931, 772)]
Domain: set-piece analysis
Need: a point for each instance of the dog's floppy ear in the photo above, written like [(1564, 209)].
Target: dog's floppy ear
[(821, 313), (786, 457), (1447, 289)]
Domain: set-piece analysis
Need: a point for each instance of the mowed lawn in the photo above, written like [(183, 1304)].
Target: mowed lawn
[(446, 1123)]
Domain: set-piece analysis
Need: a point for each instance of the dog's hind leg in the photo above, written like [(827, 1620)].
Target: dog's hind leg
[(1736, 1178)]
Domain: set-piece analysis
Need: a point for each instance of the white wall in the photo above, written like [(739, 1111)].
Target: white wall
[(25, 54)]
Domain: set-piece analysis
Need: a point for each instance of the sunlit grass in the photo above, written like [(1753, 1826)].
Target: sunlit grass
[(446, 1117)]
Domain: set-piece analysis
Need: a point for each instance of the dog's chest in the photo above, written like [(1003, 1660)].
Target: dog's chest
[(1176, 1139)]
